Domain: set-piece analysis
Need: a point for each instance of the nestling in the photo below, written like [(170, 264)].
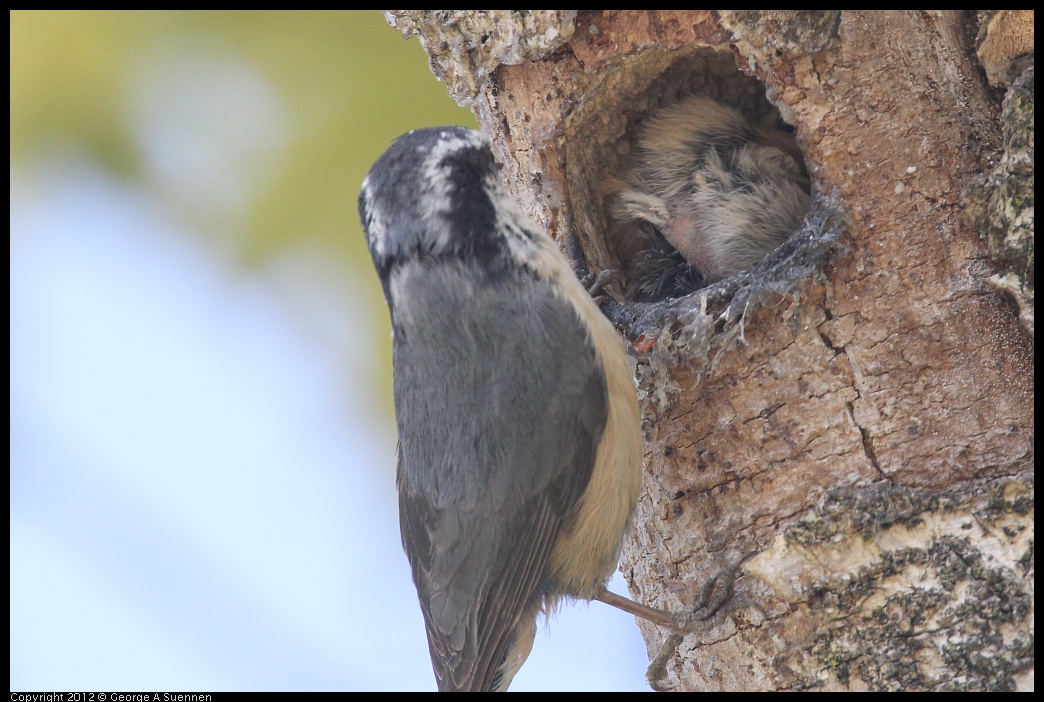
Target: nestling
[(708, 183)]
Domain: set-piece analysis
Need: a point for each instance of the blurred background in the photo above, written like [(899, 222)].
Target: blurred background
[(202, 429)]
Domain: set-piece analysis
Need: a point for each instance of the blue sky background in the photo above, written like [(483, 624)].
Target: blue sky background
[(202, 437)]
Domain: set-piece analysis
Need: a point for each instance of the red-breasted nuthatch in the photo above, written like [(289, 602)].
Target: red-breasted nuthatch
[(720, 189), (520, 452)]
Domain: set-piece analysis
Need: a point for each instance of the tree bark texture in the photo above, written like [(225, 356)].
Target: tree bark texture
[(865, 423)]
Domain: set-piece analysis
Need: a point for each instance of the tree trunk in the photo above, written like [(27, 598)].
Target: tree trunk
[(858, 411)]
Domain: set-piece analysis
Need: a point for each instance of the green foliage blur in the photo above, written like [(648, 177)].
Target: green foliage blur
[(351, 83), (345, 83)]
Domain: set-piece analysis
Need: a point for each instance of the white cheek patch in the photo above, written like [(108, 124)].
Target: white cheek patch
[(376, 231), (526, 242)]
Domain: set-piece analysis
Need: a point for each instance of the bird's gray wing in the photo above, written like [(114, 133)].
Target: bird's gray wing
[(500, 403)]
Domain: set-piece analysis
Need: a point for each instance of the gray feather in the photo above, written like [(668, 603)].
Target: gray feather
[(500, 404)]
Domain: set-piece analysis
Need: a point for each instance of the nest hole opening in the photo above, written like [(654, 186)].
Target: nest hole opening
[(699, 175)]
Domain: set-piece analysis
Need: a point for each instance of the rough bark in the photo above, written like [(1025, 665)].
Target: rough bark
[(861, 415)]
